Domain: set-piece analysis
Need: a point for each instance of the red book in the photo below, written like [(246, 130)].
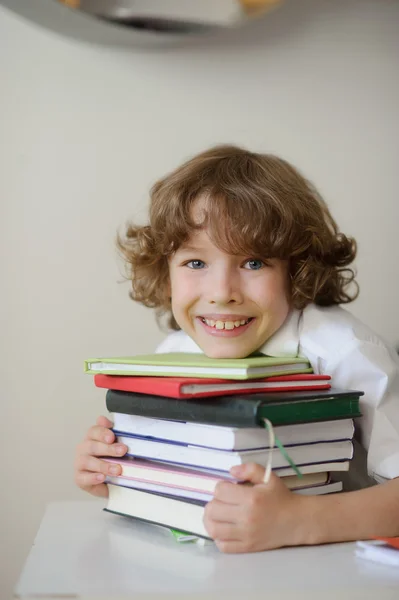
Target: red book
[(187, 387)]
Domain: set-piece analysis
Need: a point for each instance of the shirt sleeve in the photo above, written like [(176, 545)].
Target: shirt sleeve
[(374, 369)]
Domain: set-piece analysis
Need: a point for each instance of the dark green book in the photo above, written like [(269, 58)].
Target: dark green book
[(281, 408)]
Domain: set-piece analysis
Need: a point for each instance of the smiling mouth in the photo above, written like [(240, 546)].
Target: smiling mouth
[(230, 325)]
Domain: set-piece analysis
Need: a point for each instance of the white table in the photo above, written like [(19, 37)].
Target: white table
[(81, 551)]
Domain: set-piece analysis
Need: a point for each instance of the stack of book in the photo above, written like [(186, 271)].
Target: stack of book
[(187, 419)]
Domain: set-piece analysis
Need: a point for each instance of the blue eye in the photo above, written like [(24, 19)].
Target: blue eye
[(254, 264), (195, 264)]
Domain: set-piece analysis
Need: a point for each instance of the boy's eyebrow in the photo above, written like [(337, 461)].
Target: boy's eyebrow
[(189, 248)]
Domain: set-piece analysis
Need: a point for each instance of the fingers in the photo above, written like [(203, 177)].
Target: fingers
[(251, 472), (86, 479), (94, 465), (222, 532), (101, 434), (93, 448), (216, 524), (90, 482), (100, 441), (90, 471), (221, 512), (101, 491), (232, 493), (233, 546), (104, 422)]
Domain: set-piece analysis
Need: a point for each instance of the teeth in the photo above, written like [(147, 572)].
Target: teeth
[(225, 324)]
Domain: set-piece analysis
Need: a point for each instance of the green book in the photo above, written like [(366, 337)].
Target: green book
[(183, 537), (181, 364)]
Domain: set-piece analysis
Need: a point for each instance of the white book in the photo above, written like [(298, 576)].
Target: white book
[(173, 476), (332, 466), (181, 514), (231, 438), (223, 460), (312, 490)]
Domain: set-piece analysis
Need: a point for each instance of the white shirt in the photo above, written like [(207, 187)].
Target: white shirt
[(336, 343)]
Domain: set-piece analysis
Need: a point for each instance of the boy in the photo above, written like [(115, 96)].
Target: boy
[(243, 255)]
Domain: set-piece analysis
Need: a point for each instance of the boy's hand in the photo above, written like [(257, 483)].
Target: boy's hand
[(90, 471), (251, 518)]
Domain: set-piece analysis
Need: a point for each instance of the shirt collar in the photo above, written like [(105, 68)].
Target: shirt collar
[(285, 342)]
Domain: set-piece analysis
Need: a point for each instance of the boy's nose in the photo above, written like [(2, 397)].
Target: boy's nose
[(224, 289)]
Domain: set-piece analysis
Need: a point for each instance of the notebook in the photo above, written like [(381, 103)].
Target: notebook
[(230, 438), (282, 408), (185, 387), (183, 364)]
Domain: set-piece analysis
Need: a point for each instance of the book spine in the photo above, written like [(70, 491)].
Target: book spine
[(228, 411)]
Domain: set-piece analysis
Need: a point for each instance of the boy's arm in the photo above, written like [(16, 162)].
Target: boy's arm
[(265, 516), (348, 516)]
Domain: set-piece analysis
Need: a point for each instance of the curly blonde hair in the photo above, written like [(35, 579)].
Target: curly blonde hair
[(257, 205)]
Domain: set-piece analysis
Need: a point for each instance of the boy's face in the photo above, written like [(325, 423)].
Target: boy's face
[(229, 305)]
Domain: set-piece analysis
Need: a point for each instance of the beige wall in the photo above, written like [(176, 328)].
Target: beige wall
[(84, 132)]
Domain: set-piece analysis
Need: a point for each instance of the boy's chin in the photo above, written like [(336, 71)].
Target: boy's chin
[(216, 351)]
